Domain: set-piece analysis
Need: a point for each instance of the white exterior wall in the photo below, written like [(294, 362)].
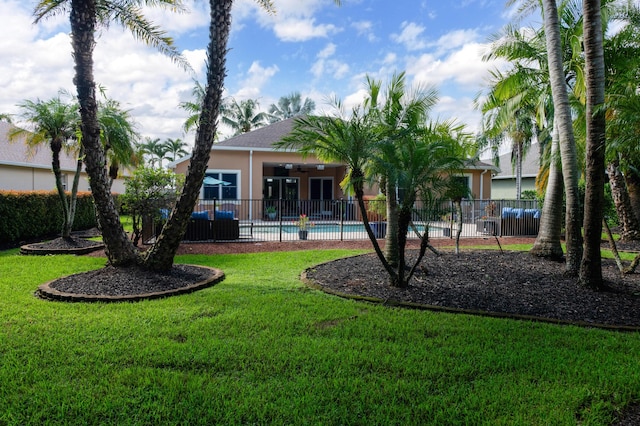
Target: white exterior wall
[(14, 178)]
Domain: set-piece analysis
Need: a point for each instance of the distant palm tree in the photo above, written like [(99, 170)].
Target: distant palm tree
[(243, 116), (155, 150), (55, 123), (175, 149), (290, 106), (193, 107), (118, 136)]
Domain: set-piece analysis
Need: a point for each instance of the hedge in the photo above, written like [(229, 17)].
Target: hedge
[(30, 215)]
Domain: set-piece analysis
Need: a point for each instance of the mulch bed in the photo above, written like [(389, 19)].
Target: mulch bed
[(512, 284)]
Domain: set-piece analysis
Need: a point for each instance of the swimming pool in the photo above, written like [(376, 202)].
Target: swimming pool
[(324, 228)]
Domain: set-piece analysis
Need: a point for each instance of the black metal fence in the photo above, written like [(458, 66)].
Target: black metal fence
[(287, 220)]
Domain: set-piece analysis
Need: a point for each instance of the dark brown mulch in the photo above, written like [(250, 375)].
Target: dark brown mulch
[(72, 245), (509, 284), (111, 284)]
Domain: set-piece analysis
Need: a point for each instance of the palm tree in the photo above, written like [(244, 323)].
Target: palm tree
[(591, 264), (160, 256), (290, 106), (54, 123), (85, 17), (175, 149), (514, 111), (385, 140), (622, 58), (118, 136), (155, 149), (623, 159), (399, 112), (425, 165), (524, 94), (346, 138), (242, 116), (193, 107), (563, 121)]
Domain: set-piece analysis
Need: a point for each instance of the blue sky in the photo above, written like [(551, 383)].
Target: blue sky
[(310, 46)]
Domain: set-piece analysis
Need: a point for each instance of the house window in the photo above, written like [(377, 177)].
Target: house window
[(321, 188), (228, 191), (465, 181), (64, 179)]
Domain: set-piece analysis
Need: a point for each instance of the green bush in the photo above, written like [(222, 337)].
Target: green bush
[(29, 215)]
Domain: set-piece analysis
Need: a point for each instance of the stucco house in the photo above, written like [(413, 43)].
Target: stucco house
[(252, 169), (22, 169), (504, 182)]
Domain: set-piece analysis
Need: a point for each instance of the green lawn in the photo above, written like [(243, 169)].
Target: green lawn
[(261, 348)]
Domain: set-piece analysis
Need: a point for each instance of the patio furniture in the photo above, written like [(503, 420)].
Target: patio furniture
[(223, 227), (519, 221)]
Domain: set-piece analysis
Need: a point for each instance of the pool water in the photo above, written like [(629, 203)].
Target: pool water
[(334, 228)]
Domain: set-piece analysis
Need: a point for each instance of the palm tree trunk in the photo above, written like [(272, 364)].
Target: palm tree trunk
[(632, 179), (518, 171), (120, 251), (628, 221), (547, 242), (591, 265), (567, 142), (356, 177), (73, 202), (458, 205), (56, 147), (404, 218), (160, 256), (391, 238)]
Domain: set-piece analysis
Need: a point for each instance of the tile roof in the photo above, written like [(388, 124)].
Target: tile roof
[(264, 137), (530, 165), (261, 138), (18, 154)]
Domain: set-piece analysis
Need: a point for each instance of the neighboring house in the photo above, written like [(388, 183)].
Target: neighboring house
[(254, 169), (503, 185), (25, 170)]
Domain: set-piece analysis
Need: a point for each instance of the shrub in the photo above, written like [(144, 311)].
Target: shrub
[(29, 215)]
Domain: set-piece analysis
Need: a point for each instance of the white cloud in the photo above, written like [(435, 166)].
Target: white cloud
[(195, 16), (257, 77), (32, 66), (329, 50), (325, 66), (293, 20), (457, 38), (464, 66), (36, 61), (459, 109), (365, 29), (410, 36), (390, 58), (355, 99), (302, 29)]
